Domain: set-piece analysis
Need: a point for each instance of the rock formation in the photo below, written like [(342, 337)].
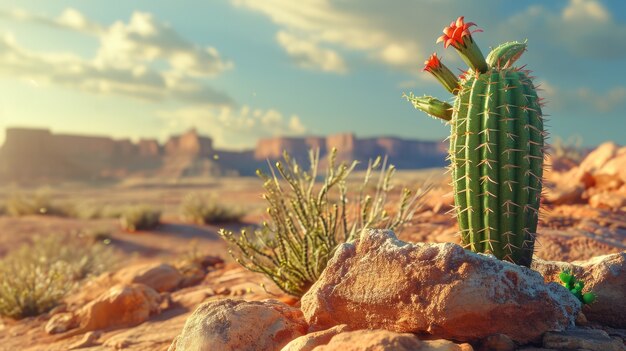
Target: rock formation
[(380, 282), (32, 155)]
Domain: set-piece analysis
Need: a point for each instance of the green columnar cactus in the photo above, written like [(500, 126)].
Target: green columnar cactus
[(496, 145)]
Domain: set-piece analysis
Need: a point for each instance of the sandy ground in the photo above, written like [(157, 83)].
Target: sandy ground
[(567, 233)]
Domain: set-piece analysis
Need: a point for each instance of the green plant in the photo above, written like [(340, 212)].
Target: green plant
[(496, 145), (36, 277), (140, 217), (204, 209), (308, 220), (576, 286)]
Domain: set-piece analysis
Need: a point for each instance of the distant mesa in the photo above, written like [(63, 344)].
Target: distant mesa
[(32, 155)]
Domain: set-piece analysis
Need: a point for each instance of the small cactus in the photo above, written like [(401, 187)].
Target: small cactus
[(496, 144), (575, 286)]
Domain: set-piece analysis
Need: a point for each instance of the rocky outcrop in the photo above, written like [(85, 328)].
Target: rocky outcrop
[(600, 180), (380, 282), (237, 325)]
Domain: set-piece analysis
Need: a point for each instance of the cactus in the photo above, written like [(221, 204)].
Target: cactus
[(496, 145), (575, 286)]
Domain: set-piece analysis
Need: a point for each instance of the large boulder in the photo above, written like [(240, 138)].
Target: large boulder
[(605, 276), (237, 325), (380, 282)]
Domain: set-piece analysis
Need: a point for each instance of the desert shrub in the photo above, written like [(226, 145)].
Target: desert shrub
[(97, 211), (97, 235), (39, 203), (308, 220), (140, 217), (36, 277), (204, 209)]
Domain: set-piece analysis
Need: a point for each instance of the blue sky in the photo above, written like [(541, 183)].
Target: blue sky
[(239, 70)]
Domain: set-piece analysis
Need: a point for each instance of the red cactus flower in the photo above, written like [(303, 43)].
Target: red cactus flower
[(434, 66), (454, 34), (432, 63)]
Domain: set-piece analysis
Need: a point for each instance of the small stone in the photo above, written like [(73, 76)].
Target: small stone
[(581, 319), (608, 201), (579, 338), (497, 342), (310, 341), (383, 340), (222, 291), (61, 322), (565, 194), (87, 340), (161, 277)]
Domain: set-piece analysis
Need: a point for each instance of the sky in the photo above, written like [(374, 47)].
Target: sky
[(239, 70)]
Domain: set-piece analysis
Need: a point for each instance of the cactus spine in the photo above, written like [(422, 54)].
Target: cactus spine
[(496, 146)]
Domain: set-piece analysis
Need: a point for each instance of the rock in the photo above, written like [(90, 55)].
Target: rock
[(497, 342), (609, 201), (565, 194), (617, 165), (380, 282), (160, 277), (310, 341), (121, 306), (191, 299), (383, 340), (581, 319), (578, 338), (239, 325), (607, 182), (599, 157), (605, 276), (61, 322), (88, 340), (193, 273), (620, 333)]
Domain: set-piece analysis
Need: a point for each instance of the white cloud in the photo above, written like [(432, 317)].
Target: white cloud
[(584, 28), (144, 39), (307, 54), (144, 58), (232, 127), (402, 33), (583, 10), (69, 19), (323, 22), (584, 99)]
